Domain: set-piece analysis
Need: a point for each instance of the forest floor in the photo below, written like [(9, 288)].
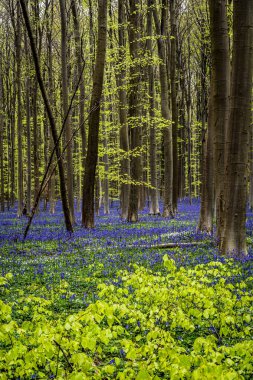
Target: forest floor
[(98, 305)]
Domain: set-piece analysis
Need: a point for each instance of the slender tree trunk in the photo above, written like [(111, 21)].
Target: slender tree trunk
[(51, 120), (174, 110), (2, 124), (239, 126), (52, 182), (35, 139), (167, 130), (124, 140), (154, 204), (28, 133), (65, 101), (19, 114), (251, 169), (220, 78), (79, 63), (105, 183), (134, 112), (92, 152)]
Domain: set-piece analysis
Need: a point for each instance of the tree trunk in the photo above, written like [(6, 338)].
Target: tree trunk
[(236, 158), (65, 101), (51, 120), (2, 124), (19, 114), (105, 183), (51, 184), (207, 187), (220, 79), (79, 63), (92, 152), (174, 110), (154, 204), (134, 112), (124, 140), (167, 130)]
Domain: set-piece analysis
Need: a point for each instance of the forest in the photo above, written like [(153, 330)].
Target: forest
[(126, 189)]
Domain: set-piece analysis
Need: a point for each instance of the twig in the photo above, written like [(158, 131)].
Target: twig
[(64, 354)]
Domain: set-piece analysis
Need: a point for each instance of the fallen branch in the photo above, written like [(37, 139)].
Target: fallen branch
[(171, 245)]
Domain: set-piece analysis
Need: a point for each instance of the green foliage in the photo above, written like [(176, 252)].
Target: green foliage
[(175, 324)]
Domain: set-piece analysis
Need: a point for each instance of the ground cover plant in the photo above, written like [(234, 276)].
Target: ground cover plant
[(106, 304)]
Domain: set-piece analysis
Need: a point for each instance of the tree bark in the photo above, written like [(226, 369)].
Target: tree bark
[(19, 114), (92, 152), (207, 187), (124, 140), (134, 112), (167, 130), (220, 79), (65, 101), (51, 120), (236, 159), (154, 204), (79, 61), (174, 110)]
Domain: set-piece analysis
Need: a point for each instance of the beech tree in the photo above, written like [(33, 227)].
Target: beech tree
[(92, 150), (134, 110), (239, 129)]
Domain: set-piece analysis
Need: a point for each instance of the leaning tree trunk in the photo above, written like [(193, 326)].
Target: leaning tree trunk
[(51, 119), (167, 130), (220, 80), (134, 112), (65, 101), (92, 152), (124, 140), (236, 158)]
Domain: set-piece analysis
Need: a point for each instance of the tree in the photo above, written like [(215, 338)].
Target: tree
[(65, 101), (134, 110), (239, 128), (220, 82), (51, 121), (121, 83), (174, 110), (19, 113), (154, 204), (165, 108), (92, 151)]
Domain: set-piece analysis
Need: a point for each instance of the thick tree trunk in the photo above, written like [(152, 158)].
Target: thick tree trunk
[(236, 159), (220, 79), (207, 187), (134, 112), (167, 130), (65, 101), (92, 152)]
